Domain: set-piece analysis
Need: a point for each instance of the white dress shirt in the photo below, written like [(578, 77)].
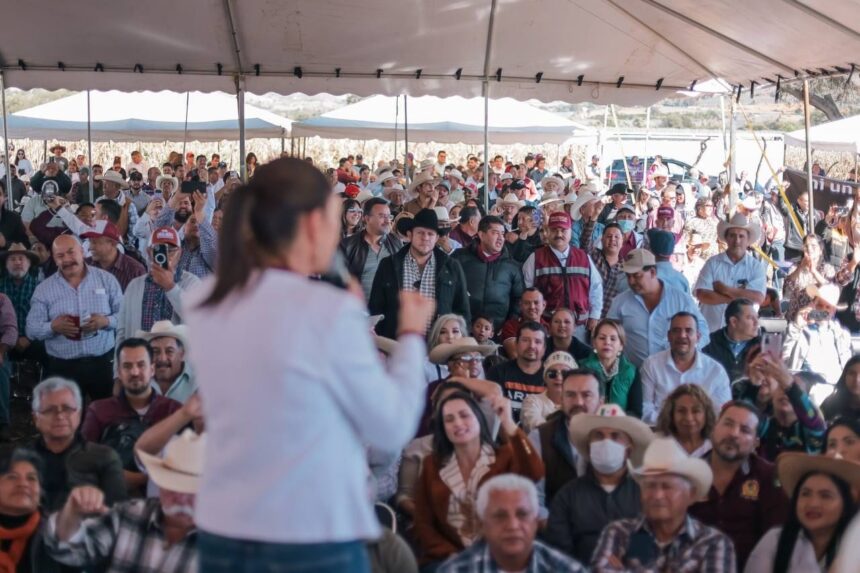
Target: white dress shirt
[(294, 392), (802, 560), (748, 273), (660, 377)]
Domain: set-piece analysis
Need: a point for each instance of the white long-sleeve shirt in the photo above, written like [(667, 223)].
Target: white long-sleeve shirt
[(293, 392)]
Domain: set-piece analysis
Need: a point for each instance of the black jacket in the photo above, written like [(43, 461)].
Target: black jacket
[(720, 349), (12, 229), (355, 249), (451, 294), (494, 288), (63, 182)]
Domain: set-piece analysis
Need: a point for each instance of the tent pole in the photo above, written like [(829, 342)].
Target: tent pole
[(90, 148), (10, 200), (603, 137), (396, 118), (185, 132), (405, 139), (732, 165), (621, 146), (806, 120), (283, 143), (723, 119), (647, 135), (45, 152), (486, 146), (240, 101)]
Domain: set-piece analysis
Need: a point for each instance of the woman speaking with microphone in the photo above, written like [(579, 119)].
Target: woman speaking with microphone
[(292, 387)]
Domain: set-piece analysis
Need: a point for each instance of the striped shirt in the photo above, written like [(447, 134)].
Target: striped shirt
[(696, 548), (478, 559), (127, 538), (98, 293)]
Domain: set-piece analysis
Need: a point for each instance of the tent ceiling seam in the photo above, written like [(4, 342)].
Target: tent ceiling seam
[(823, 17), (234, 37)]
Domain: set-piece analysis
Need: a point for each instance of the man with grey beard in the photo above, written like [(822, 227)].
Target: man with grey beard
[(18, 283)]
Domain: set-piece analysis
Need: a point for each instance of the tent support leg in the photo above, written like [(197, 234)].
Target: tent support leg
[(45, 152), (647, 135), (405, 140), (185, 131), (806, 121), (10, 200), (283, 144), (240, 101), (732, 167), (90, 148), (486, 145)]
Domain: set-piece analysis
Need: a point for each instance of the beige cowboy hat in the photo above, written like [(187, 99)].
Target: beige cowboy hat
[(165, 329), (511, 199), (19, 249), (363, 196), (162, 178), (610, 416), (113, 177), (443, 352), (420, 179), (739, 221), (443, 216), (792, 466), (829, 293), (457, 175), (384, 176), (180, 468), (580, 202), (62, 148), (397, 187), (665, 456), (553, 179), (661, 171), (551, 197)]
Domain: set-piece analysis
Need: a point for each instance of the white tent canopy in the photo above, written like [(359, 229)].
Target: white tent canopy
[(448, 120), (840, 135), (603, 51), (145, 116)]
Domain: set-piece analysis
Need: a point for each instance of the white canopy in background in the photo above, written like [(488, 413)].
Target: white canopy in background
[(145, 116), (448, 120), (839, 135), (539, 50)]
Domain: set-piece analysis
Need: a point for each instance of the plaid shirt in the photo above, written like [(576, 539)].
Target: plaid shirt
[(415, 280), (20, 295), (200, 261), (612, 276), (128, 538), (697, 548), (544, 559)]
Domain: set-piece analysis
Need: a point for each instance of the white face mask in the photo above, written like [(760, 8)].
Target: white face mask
[(607, 456)]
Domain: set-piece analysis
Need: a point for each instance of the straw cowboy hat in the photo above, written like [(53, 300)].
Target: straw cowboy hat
[(792, 466), (580, 202), (62, 148), (384, 176), (551, 197), (594, 186), (828, 293), (420, 179), (665, 456), (555, 180), (511, 199), (162, 178), (182, 465), (113, 177), (363, 196), (610, 416), (19, 249), (457, 175), (443, 352), (739, 221), (165, 329), (397, 187)]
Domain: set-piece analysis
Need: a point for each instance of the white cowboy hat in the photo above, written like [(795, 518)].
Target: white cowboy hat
[(505, 176), (829, 293), (443, 216), (739, 221), (363, 196), (552, 179), (165, 329), (397, 187), (384, 176), (162, 178), (511, 199), (551, 197), (594, 186), (180, 468), (426, 164), (792, 466), (610, 416), (661, 171), (443, 352), (665, 456), (420, 179), (456, 173), (580, 202), (113, 177)]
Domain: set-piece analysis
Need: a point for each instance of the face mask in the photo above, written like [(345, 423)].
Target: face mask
[(626, 225), (607, 456)]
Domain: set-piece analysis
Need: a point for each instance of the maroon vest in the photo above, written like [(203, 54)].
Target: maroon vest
[(564, 284)]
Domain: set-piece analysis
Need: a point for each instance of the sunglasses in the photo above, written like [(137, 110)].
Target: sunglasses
[(554, 374), (354, 211)]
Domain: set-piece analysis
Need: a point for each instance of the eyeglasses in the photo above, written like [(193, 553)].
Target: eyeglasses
[(554, 374), (55, 411)]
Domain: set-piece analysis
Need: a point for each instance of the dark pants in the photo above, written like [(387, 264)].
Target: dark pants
[(94, 374), (225, 555), (5, 390)]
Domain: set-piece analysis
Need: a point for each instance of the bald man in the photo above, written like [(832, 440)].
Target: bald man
[(75, 312)]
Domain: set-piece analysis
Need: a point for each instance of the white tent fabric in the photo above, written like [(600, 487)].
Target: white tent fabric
[(448, 120), (840, 135), (145, 116), (539, 49)]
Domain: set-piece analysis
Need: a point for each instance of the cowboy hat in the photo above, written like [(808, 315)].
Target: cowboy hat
[(828, 293), (165, 329), (696, 239), (443, 352), (20, 249), (457, 175), (180, 468), (442, 215), (792, 466), (420, 179), (397, 187), (580, 202), (384, 176), (551, 197), (426, 164), (552, 179), (739, 221), (665, 456), (511, 199), (162, 178), (594, 186), (426, 219), (610, 416), (661, 171), (113, 177), (363, 196), (62, 148)]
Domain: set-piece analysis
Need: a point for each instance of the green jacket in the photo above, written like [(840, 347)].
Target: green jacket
[(624, 389)]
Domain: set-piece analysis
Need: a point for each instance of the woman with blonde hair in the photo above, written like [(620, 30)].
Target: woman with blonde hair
[(618, 377)]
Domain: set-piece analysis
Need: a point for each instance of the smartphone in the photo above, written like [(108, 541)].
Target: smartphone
[(159, 256), (771, 343)]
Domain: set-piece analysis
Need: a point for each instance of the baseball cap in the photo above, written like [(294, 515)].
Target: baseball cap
[(165, 236), (352, 190), (665, 212), (107, 230), (560, 357), (662, 242), (636, 260), (517, 185), (559, 220)]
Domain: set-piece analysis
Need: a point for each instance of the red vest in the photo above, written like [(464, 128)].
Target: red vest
[(564, 285)]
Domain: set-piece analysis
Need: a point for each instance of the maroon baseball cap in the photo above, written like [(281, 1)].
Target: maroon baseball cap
[(559, 220), (165, 236), (104, 229), (665, 213)]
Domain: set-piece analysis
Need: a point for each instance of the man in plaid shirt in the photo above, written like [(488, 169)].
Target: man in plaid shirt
[(508, 509)]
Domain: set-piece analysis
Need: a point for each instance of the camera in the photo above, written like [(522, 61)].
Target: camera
[(159, 255)]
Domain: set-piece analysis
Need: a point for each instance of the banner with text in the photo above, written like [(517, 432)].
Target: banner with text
[(825, 191)]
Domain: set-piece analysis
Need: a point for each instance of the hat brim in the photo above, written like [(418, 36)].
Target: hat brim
[(60, 147), (34, 258), (122, 184), (792, 466), (580, 202), (443, 352), (696, 471), (167, 478), (150, 336), (813, 291), (753, 230), (639, 433), (418, 181)]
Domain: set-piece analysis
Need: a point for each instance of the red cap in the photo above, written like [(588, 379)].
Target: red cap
[(665, 212), (103, 229), (165, 236), (559, 220), (352, 190)]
